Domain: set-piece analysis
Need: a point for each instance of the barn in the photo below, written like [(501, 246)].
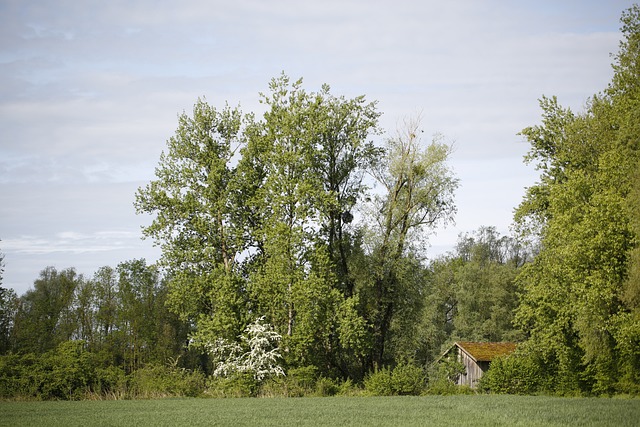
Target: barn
[(476, 358)]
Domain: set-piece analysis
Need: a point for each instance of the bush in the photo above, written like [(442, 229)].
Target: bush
[(304, 377), (443, 377), (349, 388), (18, 374), (378, 383), (238, 385), (110, 382), (512, 375), (326, 387), (162, 381), (405, 379)]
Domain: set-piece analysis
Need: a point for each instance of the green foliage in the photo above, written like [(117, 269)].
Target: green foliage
[(17, 376), (378, 383), (45, 316), (472, 293), (111, 382), (241, 384), (252, 217), (514, 374), (67, 372), (579, 292), (408, 379), (155, 381), (404, 379), (443, 376)]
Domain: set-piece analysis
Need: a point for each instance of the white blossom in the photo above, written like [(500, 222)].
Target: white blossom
[(260, 358)]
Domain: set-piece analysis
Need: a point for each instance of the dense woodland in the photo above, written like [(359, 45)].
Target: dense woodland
[(293, 255)]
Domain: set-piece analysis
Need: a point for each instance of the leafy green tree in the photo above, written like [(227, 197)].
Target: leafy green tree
[(145, 328), (286, 201), (105, 288), (343, 156), (310, 153), (418, 189), (575, 290), (195, 218), (486, 289), (46, 315), (472, 293), (86, 308), (254, 218)]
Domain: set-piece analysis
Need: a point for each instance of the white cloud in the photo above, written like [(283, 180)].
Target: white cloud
[(71, 242)]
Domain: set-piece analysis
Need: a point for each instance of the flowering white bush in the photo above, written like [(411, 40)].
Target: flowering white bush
[(260, 358)]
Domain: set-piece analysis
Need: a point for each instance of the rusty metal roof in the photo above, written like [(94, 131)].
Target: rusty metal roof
[(486, 351)]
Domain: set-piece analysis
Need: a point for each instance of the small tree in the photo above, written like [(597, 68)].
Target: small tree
[(257, 354)]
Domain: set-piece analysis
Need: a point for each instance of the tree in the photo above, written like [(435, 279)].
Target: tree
[(195, 218), (45, 315), (147, 332), (254, 217), (418, 195), (573, 306), (472, 293)]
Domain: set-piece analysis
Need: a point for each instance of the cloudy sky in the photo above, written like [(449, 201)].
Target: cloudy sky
[(90, 91)]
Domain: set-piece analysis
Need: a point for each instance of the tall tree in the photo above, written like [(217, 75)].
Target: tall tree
[(418, 188), (46, 315), (308, 157), (252, 216), (573, 305), (194, 223)]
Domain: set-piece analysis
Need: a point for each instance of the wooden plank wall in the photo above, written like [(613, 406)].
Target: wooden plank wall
[(473, 371)]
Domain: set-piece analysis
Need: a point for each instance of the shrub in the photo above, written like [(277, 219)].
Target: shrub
[(404, 379), (161, 381), (349, 388), (67, 372), (238, 385), (257, 353), (326, 387), (407, 379), (18, 376), (110, 382), (512, 374), (443, 377), (378, 383)]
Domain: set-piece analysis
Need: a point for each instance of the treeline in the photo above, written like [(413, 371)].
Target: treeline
[(280, 257), (113, 335), (581, 301), (69, 336)]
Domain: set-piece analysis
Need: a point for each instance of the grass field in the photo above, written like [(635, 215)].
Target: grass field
[(480, 410)]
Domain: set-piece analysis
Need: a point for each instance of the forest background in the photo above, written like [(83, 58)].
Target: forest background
[(279, 256)]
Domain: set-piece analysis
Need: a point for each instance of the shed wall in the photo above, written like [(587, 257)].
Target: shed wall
[(473, 370)]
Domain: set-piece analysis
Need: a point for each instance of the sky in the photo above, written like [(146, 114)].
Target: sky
[(91, 90)]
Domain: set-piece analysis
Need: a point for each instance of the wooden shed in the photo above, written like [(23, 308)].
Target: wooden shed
[(476, 358)]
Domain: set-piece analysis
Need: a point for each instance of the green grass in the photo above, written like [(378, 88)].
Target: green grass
[(479, 410)]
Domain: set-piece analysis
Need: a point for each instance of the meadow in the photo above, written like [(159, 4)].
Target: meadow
[(465, 410)]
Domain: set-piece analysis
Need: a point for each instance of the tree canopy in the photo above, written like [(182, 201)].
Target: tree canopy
[(579, 307), (257, 217)]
